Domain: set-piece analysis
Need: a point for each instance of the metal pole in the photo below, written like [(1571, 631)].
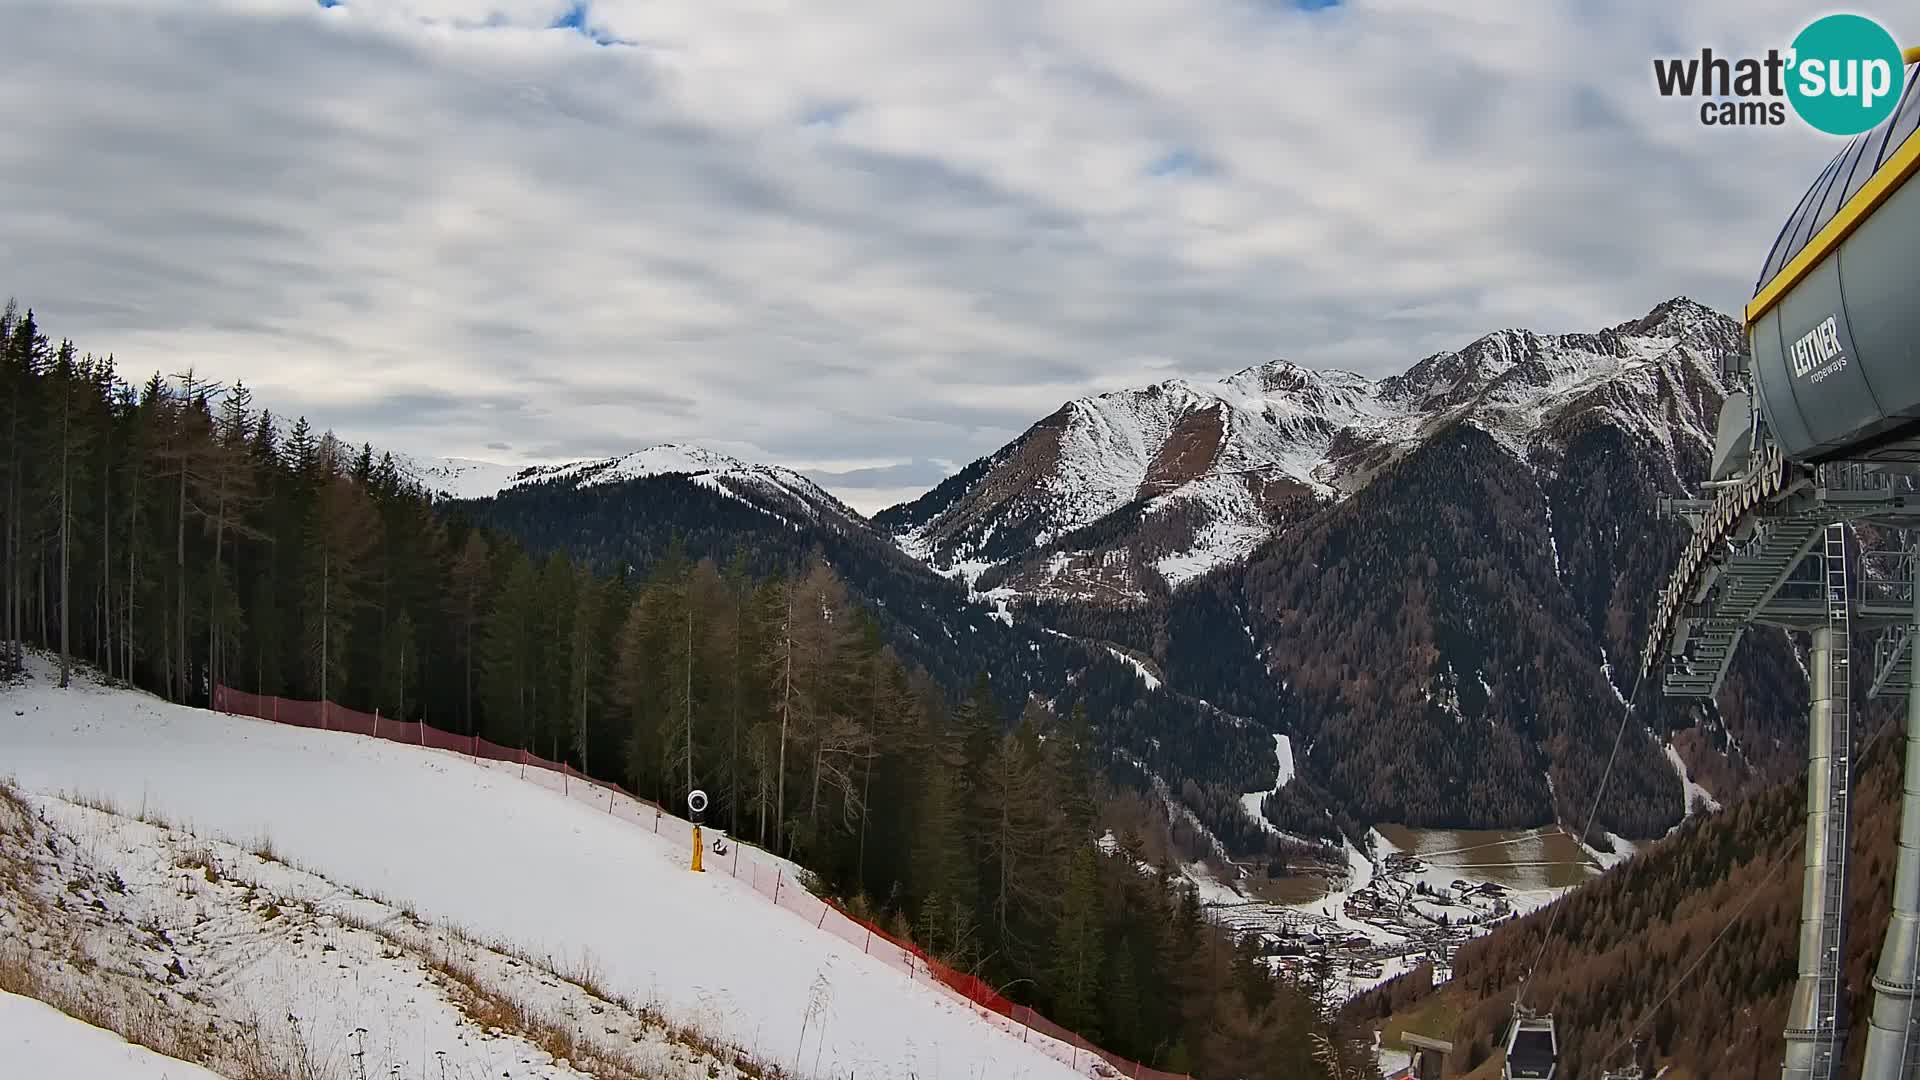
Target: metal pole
[(1810, 1043), (1891, 1034)]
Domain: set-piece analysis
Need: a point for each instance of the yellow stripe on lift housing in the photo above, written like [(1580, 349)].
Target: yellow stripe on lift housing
[(1904, 163)]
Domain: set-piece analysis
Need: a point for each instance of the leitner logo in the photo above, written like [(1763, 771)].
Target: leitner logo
[(1817, 351), (1843, 76)]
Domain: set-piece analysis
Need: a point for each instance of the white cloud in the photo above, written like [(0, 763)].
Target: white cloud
[(857, 231)]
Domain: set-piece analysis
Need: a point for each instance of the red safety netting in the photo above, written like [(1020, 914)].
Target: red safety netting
[(763, 872)]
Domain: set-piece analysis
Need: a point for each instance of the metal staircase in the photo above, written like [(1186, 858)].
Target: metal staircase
[(1832, 989), (1747, 580), (1893, 662)]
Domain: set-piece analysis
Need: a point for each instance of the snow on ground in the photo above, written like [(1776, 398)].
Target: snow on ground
[(1696, 796), (1623, 849), (40, 1041), (518, 864), (1213, 891), (1145, 675), (1283, 753), (467, 478), (280, 964), (458, 478), (1394, 1063)]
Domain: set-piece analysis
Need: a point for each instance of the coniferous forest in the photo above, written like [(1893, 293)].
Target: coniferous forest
[(176, 535)]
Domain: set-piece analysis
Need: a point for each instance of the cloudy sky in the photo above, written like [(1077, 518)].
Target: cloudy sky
[(867, 238)]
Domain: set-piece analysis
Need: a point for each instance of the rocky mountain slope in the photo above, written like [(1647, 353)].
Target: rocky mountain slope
[(1116, 497), (1433, 583), (1445, 631)]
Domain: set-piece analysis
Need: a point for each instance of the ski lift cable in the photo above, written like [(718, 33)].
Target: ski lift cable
[(1779, 863), (1613, 757)]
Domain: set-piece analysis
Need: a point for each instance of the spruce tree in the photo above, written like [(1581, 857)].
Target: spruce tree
[(472, 578), (1078, 951), (399, 663)]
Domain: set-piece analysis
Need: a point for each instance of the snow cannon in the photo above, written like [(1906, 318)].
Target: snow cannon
[(1834, 324), (697, 810)]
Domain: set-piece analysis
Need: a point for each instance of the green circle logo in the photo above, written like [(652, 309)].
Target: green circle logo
[(1845, 74)]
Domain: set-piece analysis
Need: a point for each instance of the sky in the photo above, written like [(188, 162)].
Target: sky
[(868, 239)]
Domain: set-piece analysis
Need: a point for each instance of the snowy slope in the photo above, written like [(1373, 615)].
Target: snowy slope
[(514, 863), (465, 478), (1197, 475), (1697, 796), (235, 960), (44, 1043), (1283, 752), (459, 478)]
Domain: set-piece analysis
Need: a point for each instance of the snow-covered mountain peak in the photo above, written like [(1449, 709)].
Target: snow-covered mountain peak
[(465, 478), (1189, 475)]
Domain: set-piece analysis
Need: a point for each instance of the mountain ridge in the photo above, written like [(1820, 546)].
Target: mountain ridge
[(1121, 495), (1431, 533)]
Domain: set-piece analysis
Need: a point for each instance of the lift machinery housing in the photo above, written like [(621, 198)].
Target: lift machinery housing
[(1821, 430)]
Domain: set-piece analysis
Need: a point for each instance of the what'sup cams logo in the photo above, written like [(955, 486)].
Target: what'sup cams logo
[(1843, 75)]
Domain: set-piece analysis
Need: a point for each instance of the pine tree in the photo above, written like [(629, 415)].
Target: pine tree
[(1019, 843), (400, 662), (69, 389), (589, 596), (26, 356), (552, 639), (508, 683), (341, 535), (472, 577), (1077, 948), (224, 492)]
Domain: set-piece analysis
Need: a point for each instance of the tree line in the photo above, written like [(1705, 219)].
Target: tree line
[(178, 538)]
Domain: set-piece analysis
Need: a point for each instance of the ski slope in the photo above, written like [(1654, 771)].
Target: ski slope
[(39, 1040), (510, 861)]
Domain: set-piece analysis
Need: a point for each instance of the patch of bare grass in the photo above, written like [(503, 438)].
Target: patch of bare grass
[(492, 1007), (262, 848), (99, 803), (201, 858)]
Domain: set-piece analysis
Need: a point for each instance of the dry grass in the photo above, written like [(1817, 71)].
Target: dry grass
[(585, 974), (63, 975), (17, 873), (15, 815), (45, 957), (494, 1008), (150, 816), (201, 858), (141, 1019), (262, 848), (98, 803)]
